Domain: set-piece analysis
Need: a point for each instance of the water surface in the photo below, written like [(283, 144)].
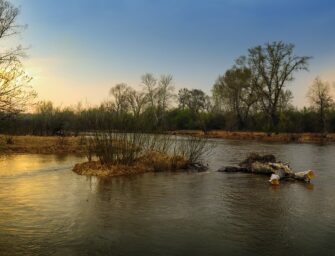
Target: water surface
[(46, 209)]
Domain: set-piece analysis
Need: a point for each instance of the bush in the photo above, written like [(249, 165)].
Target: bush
[(194, 149), (163, 151)]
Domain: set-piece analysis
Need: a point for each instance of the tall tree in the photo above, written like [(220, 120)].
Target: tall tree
[(165, 92), (236, 92), (149, 82), (319, 95), (8, 28), (183, 98), (159, 94), (272, 67), (195, 100), (15, 90), (120, 93), (137, 101)]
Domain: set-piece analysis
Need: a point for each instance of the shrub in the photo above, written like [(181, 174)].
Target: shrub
[(161, 152), (193, 149)]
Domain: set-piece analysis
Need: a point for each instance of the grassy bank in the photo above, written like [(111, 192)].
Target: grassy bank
[(41, 145), (261, 136)]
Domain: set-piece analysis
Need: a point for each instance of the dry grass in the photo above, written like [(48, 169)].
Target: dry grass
[(151, 162), (95, 168), (262, 136), (41, 145), (163, 162)]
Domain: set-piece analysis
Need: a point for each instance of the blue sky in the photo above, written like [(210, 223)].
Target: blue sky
[(80, 48)]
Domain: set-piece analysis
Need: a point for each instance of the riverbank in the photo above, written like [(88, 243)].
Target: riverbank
[(76, 145), (41, 145), (260, 136)]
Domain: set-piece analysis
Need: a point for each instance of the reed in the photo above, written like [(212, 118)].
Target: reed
[(157, 152)]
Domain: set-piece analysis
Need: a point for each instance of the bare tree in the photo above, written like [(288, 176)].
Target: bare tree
[(183, 98), (165, 92), (137, 101), (272, 67), (15, 90), (8, 28), (120, 93), (159, 94), (149, 82), (319, 95)]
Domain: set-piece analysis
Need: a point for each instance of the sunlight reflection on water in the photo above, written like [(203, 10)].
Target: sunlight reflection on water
[(47, 209)]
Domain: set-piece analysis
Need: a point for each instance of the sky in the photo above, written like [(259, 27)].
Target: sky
[(79, 49)]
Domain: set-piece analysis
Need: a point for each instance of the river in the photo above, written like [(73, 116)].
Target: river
[(46, 209)]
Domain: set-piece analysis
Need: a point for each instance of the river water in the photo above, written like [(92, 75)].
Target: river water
[(46, 209)]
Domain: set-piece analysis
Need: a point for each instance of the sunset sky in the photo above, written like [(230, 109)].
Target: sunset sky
[(78, 49)]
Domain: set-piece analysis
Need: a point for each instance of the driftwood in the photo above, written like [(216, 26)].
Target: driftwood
[(268, 165)]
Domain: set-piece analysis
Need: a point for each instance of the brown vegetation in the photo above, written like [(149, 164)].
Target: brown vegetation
[(95, 168), (41, 145), (151, 162)]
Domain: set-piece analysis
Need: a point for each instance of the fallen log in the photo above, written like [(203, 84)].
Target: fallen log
[(305, 176), (268, 165), (253, 157), (233, 169)]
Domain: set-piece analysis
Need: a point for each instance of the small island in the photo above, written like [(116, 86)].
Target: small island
[(116, 154), (151, 162)]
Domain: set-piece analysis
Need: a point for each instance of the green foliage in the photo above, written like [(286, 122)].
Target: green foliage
[(194, 100), (236, 93), (181, 119), (67, 121)]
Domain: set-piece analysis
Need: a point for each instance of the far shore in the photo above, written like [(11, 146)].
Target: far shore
[(41, 145), (260, 136), (74, 145)]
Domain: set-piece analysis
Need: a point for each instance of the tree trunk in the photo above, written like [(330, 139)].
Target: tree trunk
[(267, 165), (274, 120)]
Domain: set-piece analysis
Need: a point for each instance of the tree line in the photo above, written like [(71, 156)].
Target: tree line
[(252, 95), (156, 107)]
